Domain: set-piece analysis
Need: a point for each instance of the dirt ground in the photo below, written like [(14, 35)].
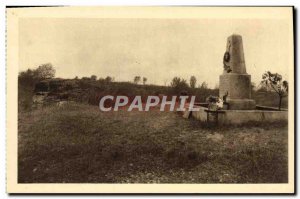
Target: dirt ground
[(77, 143)]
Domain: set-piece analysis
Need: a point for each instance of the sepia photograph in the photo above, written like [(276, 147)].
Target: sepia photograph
[(150, 100)]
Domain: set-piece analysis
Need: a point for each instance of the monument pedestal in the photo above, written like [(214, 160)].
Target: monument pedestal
[(241, 104), (238, 88)]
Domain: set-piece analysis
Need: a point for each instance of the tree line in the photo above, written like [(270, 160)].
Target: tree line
[(270, 81)]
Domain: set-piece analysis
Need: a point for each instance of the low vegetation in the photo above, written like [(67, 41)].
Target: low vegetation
[(78, 143)]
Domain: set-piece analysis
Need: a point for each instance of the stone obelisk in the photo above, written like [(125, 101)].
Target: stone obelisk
[(235, 83)]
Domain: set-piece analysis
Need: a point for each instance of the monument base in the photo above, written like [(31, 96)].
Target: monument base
[(241, 104), (238, 86)]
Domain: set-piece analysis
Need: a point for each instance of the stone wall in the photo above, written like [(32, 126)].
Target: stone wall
[(243, 116)]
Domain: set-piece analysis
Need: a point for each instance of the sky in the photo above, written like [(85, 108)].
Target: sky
[(158, 49)]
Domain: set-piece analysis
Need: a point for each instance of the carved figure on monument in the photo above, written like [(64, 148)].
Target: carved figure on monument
[(226, 60)]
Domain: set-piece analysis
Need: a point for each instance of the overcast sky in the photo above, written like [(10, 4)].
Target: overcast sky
[(158, 49)]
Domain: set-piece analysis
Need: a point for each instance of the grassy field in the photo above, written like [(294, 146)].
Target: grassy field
[(77, 143)]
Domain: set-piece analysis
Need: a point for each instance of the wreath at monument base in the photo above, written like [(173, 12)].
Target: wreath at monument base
[(214, 103)]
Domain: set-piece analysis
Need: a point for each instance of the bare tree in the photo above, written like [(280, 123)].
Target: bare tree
[(137, 79), (144, 80), (193, 82), (204, 85), (274, 81), (109, 79), (94, 77), (253, 87), (179, 85)]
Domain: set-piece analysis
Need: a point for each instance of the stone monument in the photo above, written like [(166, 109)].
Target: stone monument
[(235, 83)]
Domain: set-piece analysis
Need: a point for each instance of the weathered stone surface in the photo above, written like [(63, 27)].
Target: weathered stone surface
[(241, 104), (235, 49), (238, 86), (236, 83)]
